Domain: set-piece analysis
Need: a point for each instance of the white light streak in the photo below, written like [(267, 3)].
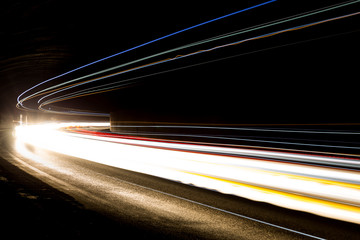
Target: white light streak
[(325, 191)]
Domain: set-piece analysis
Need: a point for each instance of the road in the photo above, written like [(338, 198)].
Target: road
[(168, 207)]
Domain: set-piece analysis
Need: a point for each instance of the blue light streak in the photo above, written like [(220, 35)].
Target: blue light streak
[(141, 45), (298, 16), (187, 55)]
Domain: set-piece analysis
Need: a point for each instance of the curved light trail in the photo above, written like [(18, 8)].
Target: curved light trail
[(315, 183), (87, 91), (258, 27), (326, 184), (120, 84), (144, 44), (322, 183)]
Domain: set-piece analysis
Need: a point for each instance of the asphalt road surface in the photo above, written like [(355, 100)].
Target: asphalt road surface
[(149, 206)]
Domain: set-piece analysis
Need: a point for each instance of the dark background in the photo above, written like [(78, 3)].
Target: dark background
[(305, 76)]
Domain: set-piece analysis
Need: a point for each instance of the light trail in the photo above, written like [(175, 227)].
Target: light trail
[(242, 129), (141, 45), (239, 135), (87, 92), (309, 158), (256, 140), (273, 23), (255, 174)]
